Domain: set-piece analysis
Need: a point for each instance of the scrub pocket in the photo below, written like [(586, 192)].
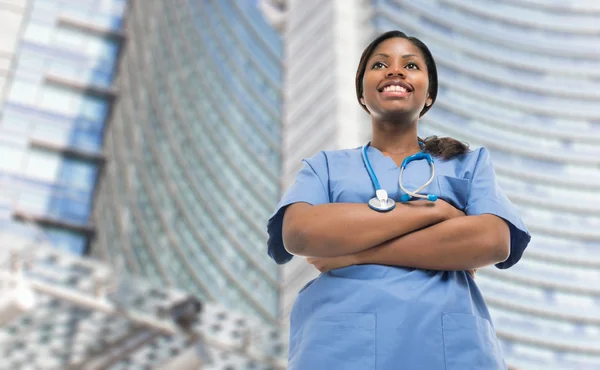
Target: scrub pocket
[(470, 343), (454, 190), (344, 341)]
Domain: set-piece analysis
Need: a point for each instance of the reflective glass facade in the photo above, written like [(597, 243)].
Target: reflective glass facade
[(193, 157), (71, 312), (58, 97), (323, 42), (522, 78)]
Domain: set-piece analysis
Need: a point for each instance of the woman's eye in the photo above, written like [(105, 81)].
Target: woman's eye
[(378, 65), (412, 66)]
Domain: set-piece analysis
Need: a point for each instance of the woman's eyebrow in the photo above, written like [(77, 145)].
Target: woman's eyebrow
[(387, 56), (380, 54)]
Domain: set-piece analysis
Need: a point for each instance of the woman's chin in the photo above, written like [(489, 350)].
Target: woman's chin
[(398, 114)]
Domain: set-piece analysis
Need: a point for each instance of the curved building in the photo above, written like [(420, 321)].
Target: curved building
[(322, 46), (57, 66), (522, 79), (192, 151), (60, 311)]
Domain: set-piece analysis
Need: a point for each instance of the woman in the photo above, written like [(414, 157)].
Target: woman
[(395, 290)]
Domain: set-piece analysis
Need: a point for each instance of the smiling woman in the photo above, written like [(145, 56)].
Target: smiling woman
[(417, 59), (406, 58), (396, 289)]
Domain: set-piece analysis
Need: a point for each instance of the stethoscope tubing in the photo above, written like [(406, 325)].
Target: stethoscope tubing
[(408, 194), (369, 168)]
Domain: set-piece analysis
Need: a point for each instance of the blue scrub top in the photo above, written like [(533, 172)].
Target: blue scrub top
[(383, 317)]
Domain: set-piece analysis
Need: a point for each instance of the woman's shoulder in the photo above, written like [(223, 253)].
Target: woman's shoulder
[(325, 157), (471, 155), (464, 165)]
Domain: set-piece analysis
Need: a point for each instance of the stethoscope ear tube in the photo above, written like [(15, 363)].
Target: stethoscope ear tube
[(414, 194)]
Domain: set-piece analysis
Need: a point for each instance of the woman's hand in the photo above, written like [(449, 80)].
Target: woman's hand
[(448, 210), (326, 264)]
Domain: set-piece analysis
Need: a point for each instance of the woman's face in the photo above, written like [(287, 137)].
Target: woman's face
[(395, 80)]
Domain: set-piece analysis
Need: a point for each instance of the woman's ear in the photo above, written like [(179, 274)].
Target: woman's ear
[(428, 102), (362, 100)]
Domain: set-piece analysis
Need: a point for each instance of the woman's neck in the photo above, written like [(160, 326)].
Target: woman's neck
[(394, 138)]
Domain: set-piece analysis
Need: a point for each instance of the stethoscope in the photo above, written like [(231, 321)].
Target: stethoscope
[(381, 202)]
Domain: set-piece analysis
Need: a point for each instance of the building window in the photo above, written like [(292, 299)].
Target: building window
[(42, 165), (66, 240)]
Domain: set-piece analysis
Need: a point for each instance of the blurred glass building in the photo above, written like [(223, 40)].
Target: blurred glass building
[(322, 44), (215, 110), (57, 65), (58, 60), (59, 311), (519, 77), (193, 152)]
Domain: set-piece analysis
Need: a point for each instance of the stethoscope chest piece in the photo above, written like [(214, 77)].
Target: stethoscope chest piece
[(381, 202)]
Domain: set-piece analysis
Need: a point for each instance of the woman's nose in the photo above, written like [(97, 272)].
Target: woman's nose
[(395, 72)]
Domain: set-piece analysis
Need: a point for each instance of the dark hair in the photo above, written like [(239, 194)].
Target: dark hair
[(445, 148)]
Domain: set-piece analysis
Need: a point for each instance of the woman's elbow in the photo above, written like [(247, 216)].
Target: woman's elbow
[(294, 240), (501, 252), (302, 240), (496, 237), (295, 228), (296, 236), (501, 244)]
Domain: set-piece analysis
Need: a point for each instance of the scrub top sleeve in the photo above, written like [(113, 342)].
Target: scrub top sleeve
[(310, 187), (485, 196)]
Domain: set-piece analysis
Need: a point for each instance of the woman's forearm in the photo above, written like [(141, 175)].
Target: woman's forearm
[(462, 243), (338, 229)]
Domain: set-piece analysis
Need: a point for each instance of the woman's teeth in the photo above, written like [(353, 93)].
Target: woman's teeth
[(394, 88)]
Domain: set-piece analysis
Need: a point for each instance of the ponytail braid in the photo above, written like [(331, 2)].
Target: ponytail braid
[(444, 147)]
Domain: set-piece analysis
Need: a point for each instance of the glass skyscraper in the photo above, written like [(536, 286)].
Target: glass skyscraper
[(200, 77), (521, 78), (60, 311), (57, 97), (322, 43), (193, 152)]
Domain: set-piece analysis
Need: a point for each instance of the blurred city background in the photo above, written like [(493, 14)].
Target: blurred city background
[(144, 144)]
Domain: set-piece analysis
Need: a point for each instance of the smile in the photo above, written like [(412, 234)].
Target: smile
[(394, 88), (395, 91)]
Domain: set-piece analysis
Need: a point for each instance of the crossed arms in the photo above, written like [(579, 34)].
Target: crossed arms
[(419, 234)]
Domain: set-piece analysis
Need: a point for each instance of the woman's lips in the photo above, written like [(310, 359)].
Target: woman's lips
[(395, 94), (395, 89)]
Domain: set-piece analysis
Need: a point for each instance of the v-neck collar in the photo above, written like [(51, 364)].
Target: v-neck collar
[(381, 158)]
